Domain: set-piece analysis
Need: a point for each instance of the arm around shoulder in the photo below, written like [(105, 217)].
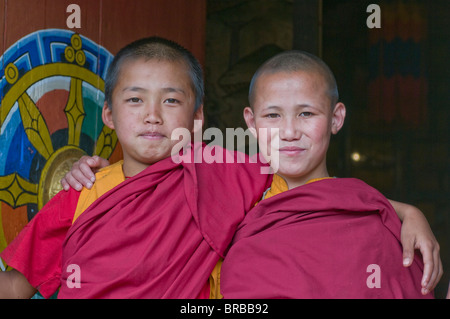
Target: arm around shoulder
[(83, 172), (416, 233)]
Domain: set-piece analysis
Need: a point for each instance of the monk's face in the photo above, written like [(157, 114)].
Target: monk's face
[(297, 110), (150, 100)]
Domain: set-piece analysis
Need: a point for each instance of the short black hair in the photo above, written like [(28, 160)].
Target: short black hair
[(161, 49)]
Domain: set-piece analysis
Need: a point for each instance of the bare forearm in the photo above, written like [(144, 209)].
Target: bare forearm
[(404, 210), (14, 285)]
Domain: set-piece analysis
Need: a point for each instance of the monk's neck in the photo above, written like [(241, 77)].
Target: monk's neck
[(293, 182), (132, 168)]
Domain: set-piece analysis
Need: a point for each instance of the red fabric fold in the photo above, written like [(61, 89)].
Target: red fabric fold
[(160, 233), (321, 240), (36, 251)]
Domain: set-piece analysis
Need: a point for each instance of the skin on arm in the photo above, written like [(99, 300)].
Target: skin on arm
[(14, 285), (417, 234)]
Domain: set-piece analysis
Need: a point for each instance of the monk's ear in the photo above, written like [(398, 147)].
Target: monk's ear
[(107, 116), (198, 120), (338, 118), (250, 120)]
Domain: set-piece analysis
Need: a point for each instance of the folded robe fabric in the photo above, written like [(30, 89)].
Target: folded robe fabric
[(160, 233), (335, 238), (36, 251)]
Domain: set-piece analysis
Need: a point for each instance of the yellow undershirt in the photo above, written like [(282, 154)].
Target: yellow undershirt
[(106, 179), (279, 185)]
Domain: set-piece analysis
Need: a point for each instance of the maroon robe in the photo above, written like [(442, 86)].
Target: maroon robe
[(160, 233), (335, 238)]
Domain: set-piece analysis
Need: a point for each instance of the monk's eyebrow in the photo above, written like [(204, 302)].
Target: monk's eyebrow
[(134, 89), (273, 107), (174, 90), (304, 105), (276, 107), (166, 89)]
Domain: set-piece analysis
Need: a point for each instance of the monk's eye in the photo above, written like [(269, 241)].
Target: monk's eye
[(134, 100), (171, 101)]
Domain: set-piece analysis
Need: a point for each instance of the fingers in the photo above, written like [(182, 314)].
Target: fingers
[(409, 246), (429, 248), (100, 162), (432, 272), (65, 185), (82, 173), (75, 180), (408, 252), (85, 170), (428, 269), (437, 270)]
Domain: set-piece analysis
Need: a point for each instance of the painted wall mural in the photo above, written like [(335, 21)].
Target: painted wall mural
[(52, 96)]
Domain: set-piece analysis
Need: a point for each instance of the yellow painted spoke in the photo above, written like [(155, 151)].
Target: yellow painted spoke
[(106, 142), (44, 71), (35, 126), (75, 111), (16, 191)]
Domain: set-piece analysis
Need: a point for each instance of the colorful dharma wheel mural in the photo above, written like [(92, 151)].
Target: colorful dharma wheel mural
[(51, 86)]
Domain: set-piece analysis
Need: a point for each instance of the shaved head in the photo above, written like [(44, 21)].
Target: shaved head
[(159, 49), (293, 61)]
